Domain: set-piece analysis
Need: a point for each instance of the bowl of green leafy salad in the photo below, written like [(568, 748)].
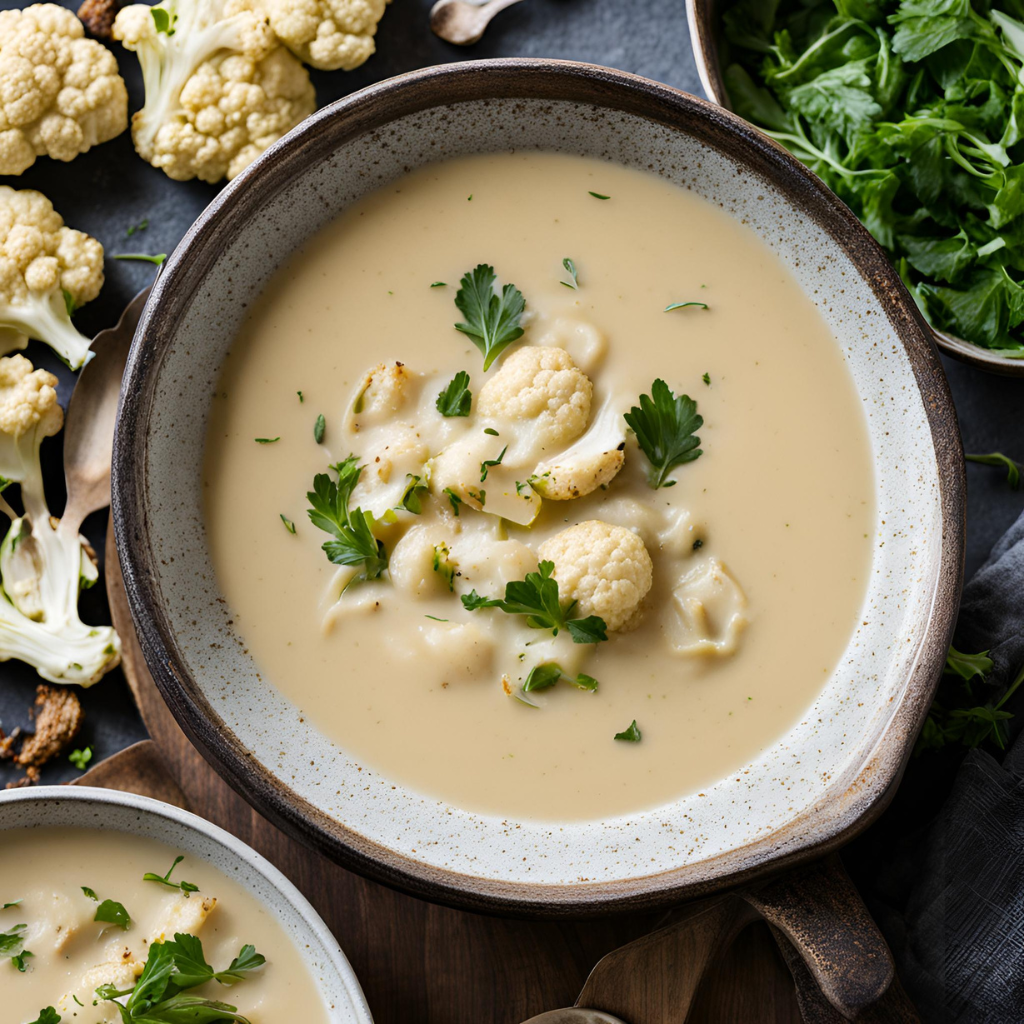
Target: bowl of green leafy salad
[(912, 112)]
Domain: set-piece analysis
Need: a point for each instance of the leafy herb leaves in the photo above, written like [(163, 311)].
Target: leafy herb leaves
[(112, 912), (536, 597), (630, 735), (664, 426), (541, 677), (999, 459), (151, 876), (456, 399), (491, 320)]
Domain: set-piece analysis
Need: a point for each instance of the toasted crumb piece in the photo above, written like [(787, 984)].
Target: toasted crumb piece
[(98, 17), (186, 915), (59, 716)]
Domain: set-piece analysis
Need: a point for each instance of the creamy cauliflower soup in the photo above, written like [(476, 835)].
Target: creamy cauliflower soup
[(92, 920), (539, 486)]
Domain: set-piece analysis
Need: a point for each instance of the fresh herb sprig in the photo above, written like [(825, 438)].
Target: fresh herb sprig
[(161, 995), (912, 114), (630, 735), (1004, 461), (456, 399), (536, 597), (542, 677), (570, 269), (186, 887), (12, 945), (665, 430), (353, 542), (491, 320), (47, 1016)]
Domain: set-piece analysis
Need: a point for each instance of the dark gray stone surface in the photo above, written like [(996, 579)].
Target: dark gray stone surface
[(110, 189)]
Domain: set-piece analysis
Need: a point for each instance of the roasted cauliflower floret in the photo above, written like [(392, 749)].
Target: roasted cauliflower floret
[(219, 87), (328, 34), (381, 393), (187, 914), (389, 471), (606, 569), (540, 391), (60, 93), (709, 611), (421, 563), (44, 267)]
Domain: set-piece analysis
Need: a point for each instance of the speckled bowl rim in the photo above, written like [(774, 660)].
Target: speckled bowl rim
[(547, 80), (186, 820), (704, 44)]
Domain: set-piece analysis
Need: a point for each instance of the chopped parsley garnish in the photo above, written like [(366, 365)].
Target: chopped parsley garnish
[(488, 463), (266, 440), (112, 912), (455, 500), (91, 893), (999, 459), (151, 876), (141, 226), (480, 496), (456, 399), (161, 993), (13, 903), (80, 758), (439, 284), (412, 496), (706, 378), (543, 676), (570, 269), (12, 943), (436, 619), (443, 565), (19, 960), (318, 429), (664, 426), (597, 195), (353, 540), (47, 1016), (520, 487), (536, 597), (491, 320), (145, 257), (302, 397), (491, 431), (288, 524), (631, 735), (683, 305)]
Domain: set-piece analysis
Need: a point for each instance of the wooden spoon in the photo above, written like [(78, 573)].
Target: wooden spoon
[(90, 419), (463, 23)]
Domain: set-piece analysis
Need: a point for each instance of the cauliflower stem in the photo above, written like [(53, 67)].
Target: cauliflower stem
[(44, 316)]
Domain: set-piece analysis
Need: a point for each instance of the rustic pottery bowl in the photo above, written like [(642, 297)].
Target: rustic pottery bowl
[(703, 17), (72, 807), (822, 782)]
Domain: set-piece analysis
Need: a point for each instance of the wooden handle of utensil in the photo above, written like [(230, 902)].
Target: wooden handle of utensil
[(831, 944)]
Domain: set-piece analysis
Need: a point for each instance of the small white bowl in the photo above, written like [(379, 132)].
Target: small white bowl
[(86, 807)]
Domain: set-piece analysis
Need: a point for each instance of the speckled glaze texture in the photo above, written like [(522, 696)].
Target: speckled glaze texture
[(821, 781), (702, 17), (85, 807)]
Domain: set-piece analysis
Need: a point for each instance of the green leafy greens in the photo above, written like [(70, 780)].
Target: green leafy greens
[(630, 735), (161, 994), (536, 597), (456, 399), (112, 912), (570, 269), (542, 677), (12, 945), (912, 111), (491, 320), (47, 1016), (353, 542), (664, 426), (151, 876), (999, 459)]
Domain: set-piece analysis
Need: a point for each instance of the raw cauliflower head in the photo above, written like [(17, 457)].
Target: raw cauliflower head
[(219, 90), (328, 34), (28, 399), (540, 391), (606, 569), (60, 93)]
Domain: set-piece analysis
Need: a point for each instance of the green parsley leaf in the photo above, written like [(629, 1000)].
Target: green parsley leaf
[(455, 500), (288, 524), (266, 440), (412, 497), (536, 597), (47, 1016), (158, 259), (142, 225), (12, 942), (302, 397), (318, 429), (999, 459), (491, 431), (353, 541), (488, 463), (967, 666), (706, 378), (543, 676), (151, 876), (456, 399), (631, 735), (683, 305), (13, 903), (439, 284), (112, 912), (491, 321), (664, 426), (597, 195), (19, 960), (570, 269), (81, 758), (91, 893)]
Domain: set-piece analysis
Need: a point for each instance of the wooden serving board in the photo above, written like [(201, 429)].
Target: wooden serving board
[(420, 963)]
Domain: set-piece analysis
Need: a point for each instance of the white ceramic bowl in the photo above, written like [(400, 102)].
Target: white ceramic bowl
[(74, 807)]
